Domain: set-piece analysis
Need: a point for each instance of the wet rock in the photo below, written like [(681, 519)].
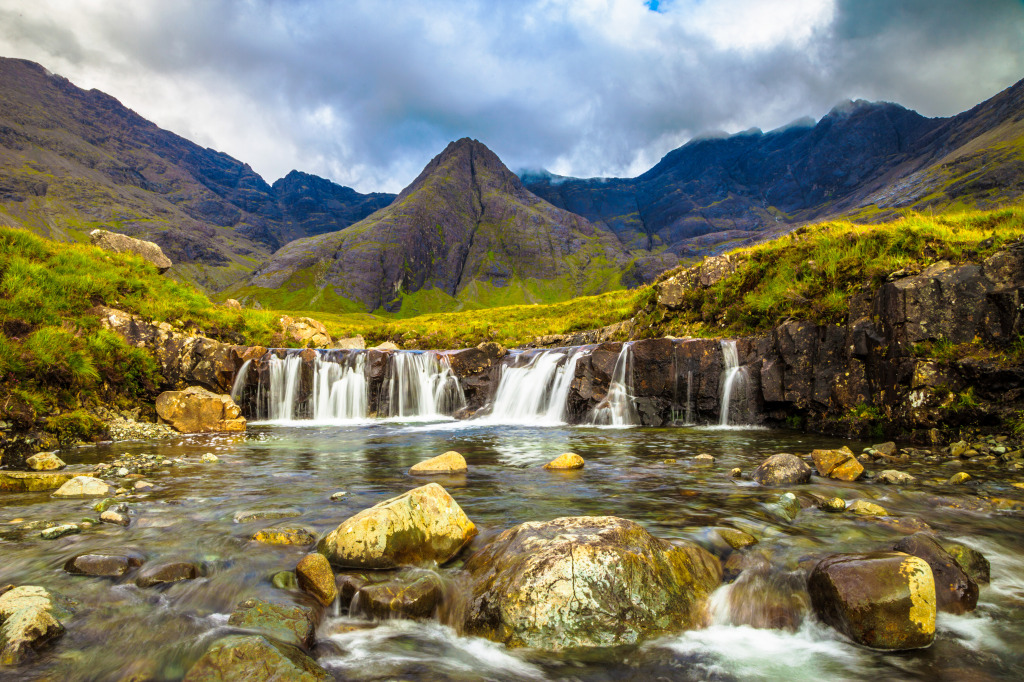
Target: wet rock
[(865, 508), (115, 517), (885, 449), (164, 574), (786, 507), (422, 526), (955, 591), (197, 410), (209, 458), (971, 561), (286, 623), (782, 469), (102, 565), (830, 504), (338, 495), (248, 515), (285, 580), (27, 623), (958, 448), (142, 486), (119, 243), (838, 464), (585, 582), (735, 472), (285, 535), (32, 481), (894, 477), (45, 461), (314, 576), (567, 460), (884, 600), (401, 598), (736, 539), (60, 531), (704, 460), (83, 486), (254, 657), (764, 596), (449, 463), (959, 478)]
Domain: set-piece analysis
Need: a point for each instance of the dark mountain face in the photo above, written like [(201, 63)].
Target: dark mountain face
[(850, 163), (72, 160), (465, 228)]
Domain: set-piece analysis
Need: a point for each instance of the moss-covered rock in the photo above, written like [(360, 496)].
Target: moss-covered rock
[(33, 481), (314, 576), (286, 623), (255, 658), (586, 582)]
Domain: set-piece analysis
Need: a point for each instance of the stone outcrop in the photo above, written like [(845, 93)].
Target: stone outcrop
[(120, 243), (27, 623), (424, 526), (306, 331), (197, 410), (884, 600), (33, 481), (586, 582)]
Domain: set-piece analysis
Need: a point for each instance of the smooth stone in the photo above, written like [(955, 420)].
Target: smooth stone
[(285, 580), (958, 449), (27, 623), (970, 559), (45, 461), (884, 600), (833, 504), (115, 517), (255, 658), (198, 410), (247, 515), (83, 486), (955, 591), (450, 462), (315, 576), (704, 459), (865, 508), (422, 526), (786, 507), (102, 565), (570, 582), (32, 481), (165, 574), (401, 599), (887, 449), (736, 539), (60, 531), (143, 485), (782, 469), (286, 623), (341, 494), (209, 458), (959, 478), (565, 461), (285, 535), (894, 477)]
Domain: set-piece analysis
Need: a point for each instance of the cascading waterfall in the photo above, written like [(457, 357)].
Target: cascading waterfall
[(732, 376), (340, 389), (423, 386), (283, 387), (536, 392), (689, 396), (618, 408), (239, 384)]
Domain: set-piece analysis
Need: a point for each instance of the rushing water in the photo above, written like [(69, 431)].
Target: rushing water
[(646, 475)]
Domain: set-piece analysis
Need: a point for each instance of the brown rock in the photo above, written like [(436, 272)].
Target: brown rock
[(119, 243), (449, 463), (163, 574), (232, 304), (782, 469), (401, 599), (315, 576), (197, 410), (568, 460), (104, 565), (307, 331), (955, 591), (837, 464)]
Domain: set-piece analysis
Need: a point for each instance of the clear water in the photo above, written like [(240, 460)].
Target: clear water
[(120, 630)]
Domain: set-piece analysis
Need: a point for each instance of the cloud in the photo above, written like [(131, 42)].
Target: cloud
[(365, 92)]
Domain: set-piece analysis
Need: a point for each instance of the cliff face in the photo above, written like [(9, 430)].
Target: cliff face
[(864, 160), (73, 160), (463, 229)]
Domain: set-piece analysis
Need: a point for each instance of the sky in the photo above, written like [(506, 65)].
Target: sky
[(366, 92)]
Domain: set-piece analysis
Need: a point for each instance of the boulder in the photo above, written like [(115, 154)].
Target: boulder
[(27, 623), (782, 469), (450, 462), (119, 243), (164, 574), (586, 582), (102, 565), (567, 460), (422, 526), (286, 623), (232, 304), (32, 481), (45, 461), (884, 600), (306, 331), (955, 591), (401, 598), (197, 410), (894, 477), (971, 560), (83, 486), (838, 464), (315, 577), (254, 657), (356, 342)]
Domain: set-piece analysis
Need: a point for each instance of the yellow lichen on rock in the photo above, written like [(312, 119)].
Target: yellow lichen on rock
[(922, 593), (450, 462), (568, 460)]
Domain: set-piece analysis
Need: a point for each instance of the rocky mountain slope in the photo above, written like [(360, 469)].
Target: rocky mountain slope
[(73, 160), (465, 231), (862, 160)]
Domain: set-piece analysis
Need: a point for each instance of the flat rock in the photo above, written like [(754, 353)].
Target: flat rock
[(449, 463), (865, 508), (245, 516), (102, 565), (285, 535), (567, 460), (256, 658), (894, 477), (83, 486), (33, 481), (164, 574), (286, 623), (64, 529), (27, 623), (422, 526), (782, 469), (115, 517)]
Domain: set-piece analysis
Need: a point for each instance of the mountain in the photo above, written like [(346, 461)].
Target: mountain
[(73, 160), (466, 232), (862, 160)]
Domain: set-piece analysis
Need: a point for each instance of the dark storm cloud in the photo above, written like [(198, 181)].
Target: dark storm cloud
[(366, 92)]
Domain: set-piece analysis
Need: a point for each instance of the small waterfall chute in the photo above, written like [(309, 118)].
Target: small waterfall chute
[(618, 408), (340, 388), (733, 379), (238, 386), (535, 393), (423, 386)]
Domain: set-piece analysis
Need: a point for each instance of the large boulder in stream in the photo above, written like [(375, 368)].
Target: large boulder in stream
[(586, 582), (197, 410), (884, 600), (421, 527), (955, 591), (27, 623), (782, 469), (256, 658)]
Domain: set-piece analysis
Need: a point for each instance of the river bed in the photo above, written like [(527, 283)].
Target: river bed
[(642, 474)]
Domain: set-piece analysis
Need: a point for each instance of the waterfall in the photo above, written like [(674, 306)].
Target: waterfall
[(732, 375), (285, 374), (689, 396), (340, 389), (536, 392), (618, 408), (422, 386), (239, 384)]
